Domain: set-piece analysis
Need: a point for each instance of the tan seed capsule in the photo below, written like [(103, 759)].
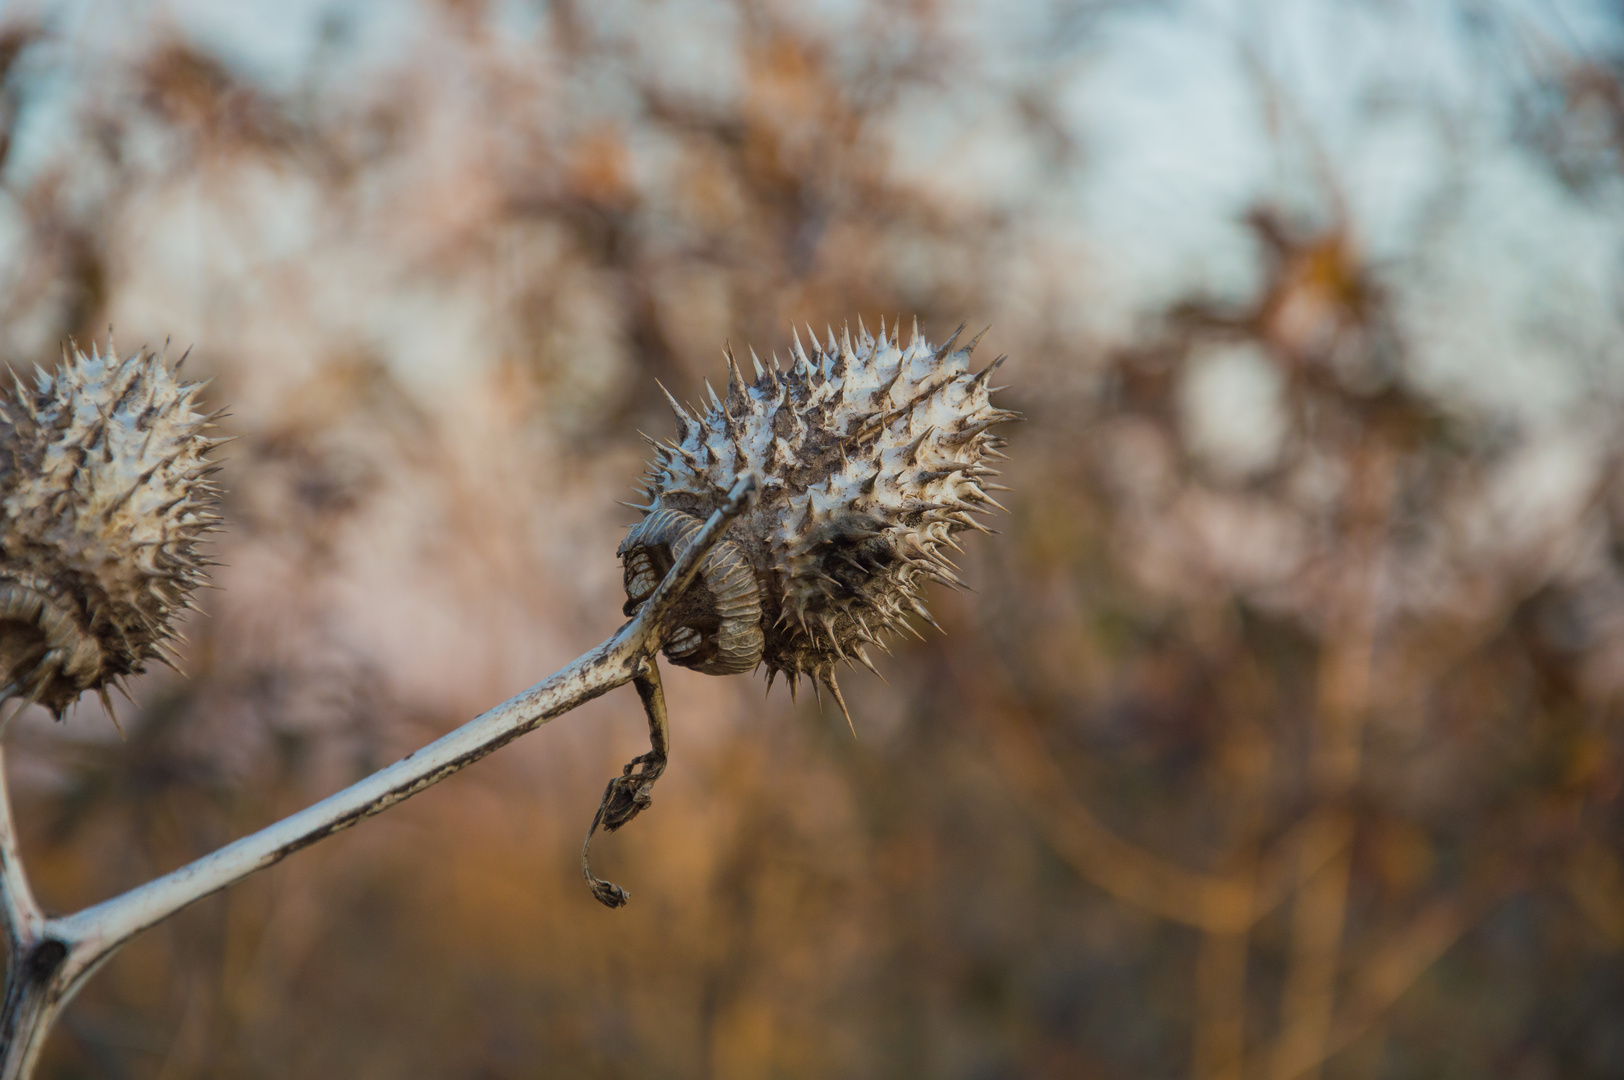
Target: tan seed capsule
[(872, 455), (104, 484)]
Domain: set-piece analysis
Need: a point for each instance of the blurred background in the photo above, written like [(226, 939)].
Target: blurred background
[(1280, 737)]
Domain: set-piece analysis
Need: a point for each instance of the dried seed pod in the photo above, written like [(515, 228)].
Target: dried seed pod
[(105, 490), (872, 456), (717, 623)]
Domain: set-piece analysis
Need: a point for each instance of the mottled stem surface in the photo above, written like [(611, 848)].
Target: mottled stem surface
[(49, 959)]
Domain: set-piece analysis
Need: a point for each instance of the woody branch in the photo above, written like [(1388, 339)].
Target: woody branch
[(50, 958)]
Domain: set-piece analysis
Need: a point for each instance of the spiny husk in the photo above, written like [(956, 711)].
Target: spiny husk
[(105, 488), (872, 456)]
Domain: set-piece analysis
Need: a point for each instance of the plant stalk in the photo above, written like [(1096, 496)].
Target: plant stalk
[(51, 958)]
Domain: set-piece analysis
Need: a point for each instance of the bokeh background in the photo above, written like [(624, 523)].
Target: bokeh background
[(1280, 737)]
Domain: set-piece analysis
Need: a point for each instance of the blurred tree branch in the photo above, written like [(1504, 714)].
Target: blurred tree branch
[(1216, 903)]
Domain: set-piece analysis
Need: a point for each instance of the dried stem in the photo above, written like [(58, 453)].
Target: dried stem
[(50, 958), (18, 909), (25, 1015), (629, 794)]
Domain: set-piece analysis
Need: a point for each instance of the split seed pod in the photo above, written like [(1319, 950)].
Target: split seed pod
[(105, 491), (872, 456)]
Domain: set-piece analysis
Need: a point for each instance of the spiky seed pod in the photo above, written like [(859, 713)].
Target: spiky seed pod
[(105, 489), (872, 456)]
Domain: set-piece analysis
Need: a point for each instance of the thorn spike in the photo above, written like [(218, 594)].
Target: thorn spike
[(834, 691)]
